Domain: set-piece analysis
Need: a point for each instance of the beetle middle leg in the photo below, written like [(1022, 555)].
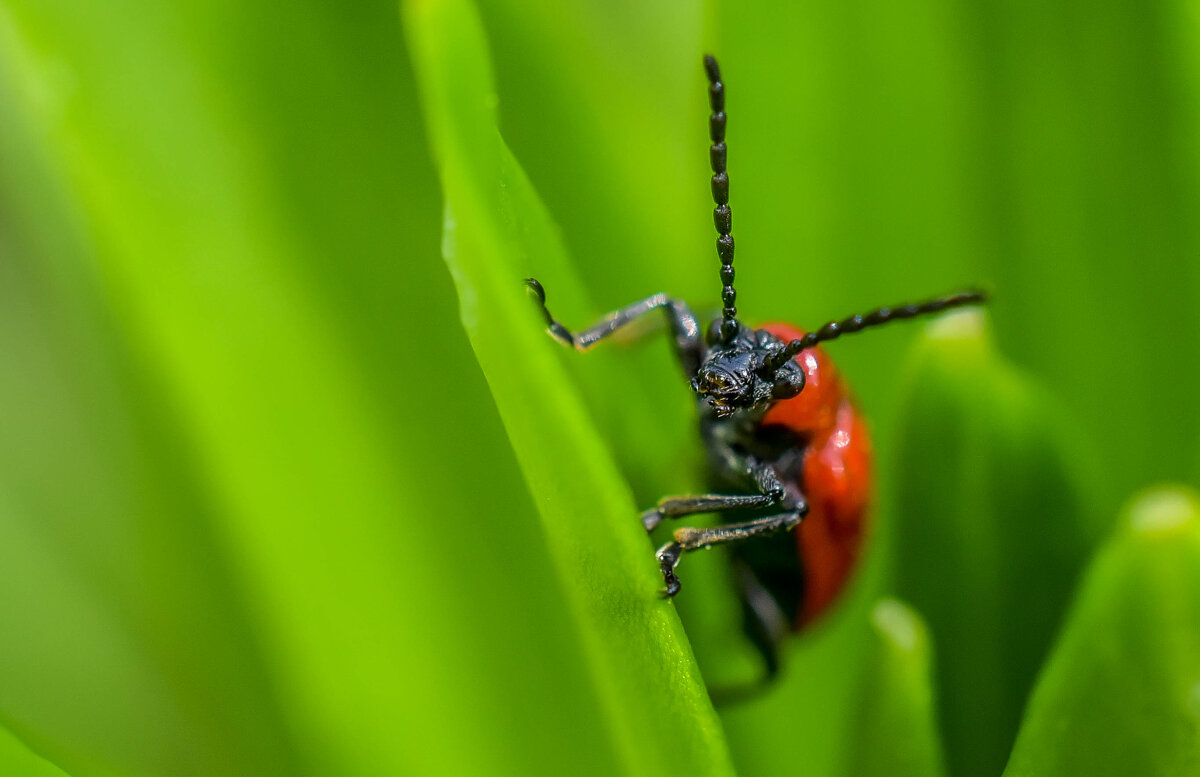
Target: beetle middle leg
[(766, 625), (679, 506), (689, 539)]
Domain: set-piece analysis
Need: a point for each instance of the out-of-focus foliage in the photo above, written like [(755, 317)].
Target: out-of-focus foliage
[(1121, 693), (991, 526), (259, 515), (267, 506), (15, 758), (894, 720)]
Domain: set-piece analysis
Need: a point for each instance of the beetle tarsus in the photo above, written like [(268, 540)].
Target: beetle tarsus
[(534, 286), (668, 557), (683, 326)]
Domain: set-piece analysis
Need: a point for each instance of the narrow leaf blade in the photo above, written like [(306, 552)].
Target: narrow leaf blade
[(989, 531), (894, 713), (656, 705), (16, 760), (1121, 693)]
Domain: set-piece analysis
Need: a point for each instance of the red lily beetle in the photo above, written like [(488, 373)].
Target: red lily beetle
[(787, 445)]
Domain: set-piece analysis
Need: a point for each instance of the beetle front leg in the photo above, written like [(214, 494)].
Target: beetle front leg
[(689, 345), (762, 477)]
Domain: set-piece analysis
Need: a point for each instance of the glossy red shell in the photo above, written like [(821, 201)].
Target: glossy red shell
[(835, 478)]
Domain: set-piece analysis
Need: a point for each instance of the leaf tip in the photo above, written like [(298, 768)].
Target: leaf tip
[(966, 324), (898, 625), (1164, 511)]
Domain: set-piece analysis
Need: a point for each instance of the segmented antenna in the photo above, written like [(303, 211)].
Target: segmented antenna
[(835, 329), (722, 216)]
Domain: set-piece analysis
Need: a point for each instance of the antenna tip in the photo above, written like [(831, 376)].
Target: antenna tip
[(974, 296), (712, 68)]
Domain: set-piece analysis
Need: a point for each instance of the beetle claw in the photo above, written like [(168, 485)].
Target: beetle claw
[(651, 519)]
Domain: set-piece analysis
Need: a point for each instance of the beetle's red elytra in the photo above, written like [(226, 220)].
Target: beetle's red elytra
[(787, 446), (835, 474)]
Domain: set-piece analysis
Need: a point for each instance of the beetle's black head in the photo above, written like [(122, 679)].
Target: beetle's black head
[(736, 377)]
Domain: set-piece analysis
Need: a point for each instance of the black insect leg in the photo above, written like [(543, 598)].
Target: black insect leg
[(679, 506), (766, 623), (684, 328), (689, 539), (668, 556), (767, 626), (737, 467), (756, 476)]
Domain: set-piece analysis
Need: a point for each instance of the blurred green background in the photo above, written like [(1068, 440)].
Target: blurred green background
[(291, 482)]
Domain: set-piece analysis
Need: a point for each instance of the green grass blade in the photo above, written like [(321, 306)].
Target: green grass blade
[(16, 760), (988, 530), (894, 721), (115, 595), (306, 408), (803, 720), (608, 114), (1121, 693), (495, 230), (1087, 143), (605, 112)]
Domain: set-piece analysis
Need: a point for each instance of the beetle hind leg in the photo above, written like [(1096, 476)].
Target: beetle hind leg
[(765, 622), (766, 626)]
